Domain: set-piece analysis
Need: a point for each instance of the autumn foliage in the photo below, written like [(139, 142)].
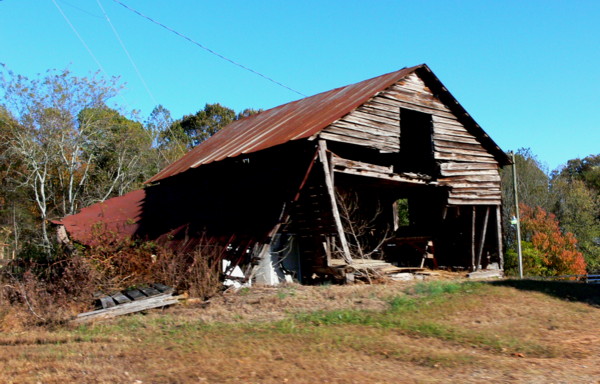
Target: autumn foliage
[(554, 252)]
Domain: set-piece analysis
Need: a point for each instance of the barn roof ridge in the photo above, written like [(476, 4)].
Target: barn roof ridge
[(302, 119)]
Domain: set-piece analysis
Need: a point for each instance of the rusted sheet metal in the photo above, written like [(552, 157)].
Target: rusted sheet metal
[(112, 220), (296, 120)]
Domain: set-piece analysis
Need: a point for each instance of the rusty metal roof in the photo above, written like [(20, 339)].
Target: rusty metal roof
[(292, 121), (305, 117), (119, 217)]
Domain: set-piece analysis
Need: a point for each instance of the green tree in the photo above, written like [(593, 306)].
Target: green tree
[(577, 205), (123, 154), (192, 130), (586, 170), (204, 123), (48, 137), (170, 140), (533, 189)]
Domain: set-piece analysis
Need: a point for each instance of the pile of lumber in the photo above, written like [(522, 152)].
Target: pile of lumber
[(130, 301), (373, 268)]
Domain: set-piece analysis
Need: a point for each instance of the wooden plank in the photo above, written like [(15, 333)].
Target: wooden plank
[(392, 114), (458, 202), (447, 121), (135, 294), (457, 145), (343, 137), (472, 178), (465, 158), (469, 184), (499, 236), (334, 207), (455, 150), (107, 302), (149, 291), (390, 177), (468, 172), (454, 138), (162, 300), (359, 165), (366, 115), (120, 298), (408, 103), (482, 241), (162, 288), (365, 131), (453, 166), (474, 210)]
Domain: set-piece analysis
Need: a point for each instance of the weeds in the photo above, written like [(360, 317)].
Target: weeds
[(38, 288)]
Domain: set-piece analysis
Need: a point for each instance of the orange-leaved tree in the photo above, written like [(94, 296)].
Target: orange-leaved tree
[(557, 251)]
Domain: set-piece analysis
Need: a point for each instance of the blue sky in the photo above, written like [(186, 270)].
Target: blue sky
[(527, 71)]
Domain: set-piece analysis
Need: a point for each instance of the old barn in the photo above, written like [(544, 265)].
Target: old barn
[(391, 170)]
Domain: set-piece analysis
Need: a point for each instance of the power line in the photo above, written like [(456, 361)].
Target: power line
[(100, 65), (79, 37), (80, 9), (86, 46), (206, 48), (135, 67)]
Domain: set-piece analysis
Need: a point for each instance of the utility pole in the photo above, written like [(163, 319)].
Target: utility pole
[(520, 253)]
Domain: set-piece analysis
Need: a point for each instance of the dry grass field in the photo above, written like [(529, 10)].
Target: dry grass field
[(432, 332)]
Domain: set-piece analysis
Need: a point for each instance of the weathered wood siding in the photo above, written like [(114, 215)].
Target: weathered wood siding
[(465, 165)]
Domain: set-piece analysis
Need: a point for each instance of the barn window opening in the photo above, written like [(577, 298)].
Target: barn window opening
[(416, 146), (403, 217)]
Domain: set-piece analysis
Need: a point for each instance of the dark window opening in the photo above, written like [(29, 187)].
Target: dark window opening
[(416, 146)]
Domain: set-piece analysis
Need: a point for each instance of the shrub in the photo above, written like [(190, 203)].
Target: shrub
[(553, 252)]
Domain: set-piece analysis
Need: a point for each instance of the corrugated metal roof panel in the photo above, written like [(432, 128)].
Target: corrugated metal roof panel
[(119, 216), (292, 121), (305, 117)]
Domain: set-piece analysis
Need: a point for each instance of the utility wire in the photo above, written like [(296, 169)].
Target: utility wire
[(80, 9), (86, 47), (137, 71), (79, 36), (206, 48), (102, 68)]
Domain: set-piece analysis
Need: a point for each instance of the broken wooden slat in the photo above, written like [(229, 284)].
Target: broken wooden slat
[(334, 206), (135, 294), (107, 302), (120, 298), (162, 288), (482, 242), (149, 291)]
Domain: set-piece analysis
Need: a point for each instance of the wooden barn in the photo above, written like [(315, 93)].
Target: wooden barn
[(390, 169)]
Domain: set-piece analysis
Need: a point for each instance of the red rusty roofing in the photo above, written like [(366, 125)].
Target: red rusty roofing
[(292, 121), (119, 216)]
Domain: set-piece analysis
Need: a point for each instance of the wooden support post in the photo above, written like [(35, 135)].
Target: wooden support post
[(499, 237), (395, 215), (473, 238), (483, 233), (334, 206)]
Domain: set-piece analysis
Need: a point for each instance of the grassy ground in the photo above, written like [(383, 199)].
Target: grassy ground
[(436, 332)]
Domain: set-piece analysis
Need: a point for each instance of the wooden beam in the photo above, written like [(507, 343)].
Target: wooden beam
[(334, 207), (499, 236), (484, 232), (353, 167), (473, 214)]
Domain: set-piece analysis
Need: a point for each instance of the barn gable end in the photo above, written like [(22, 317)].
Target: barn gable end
[(464, 164)]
